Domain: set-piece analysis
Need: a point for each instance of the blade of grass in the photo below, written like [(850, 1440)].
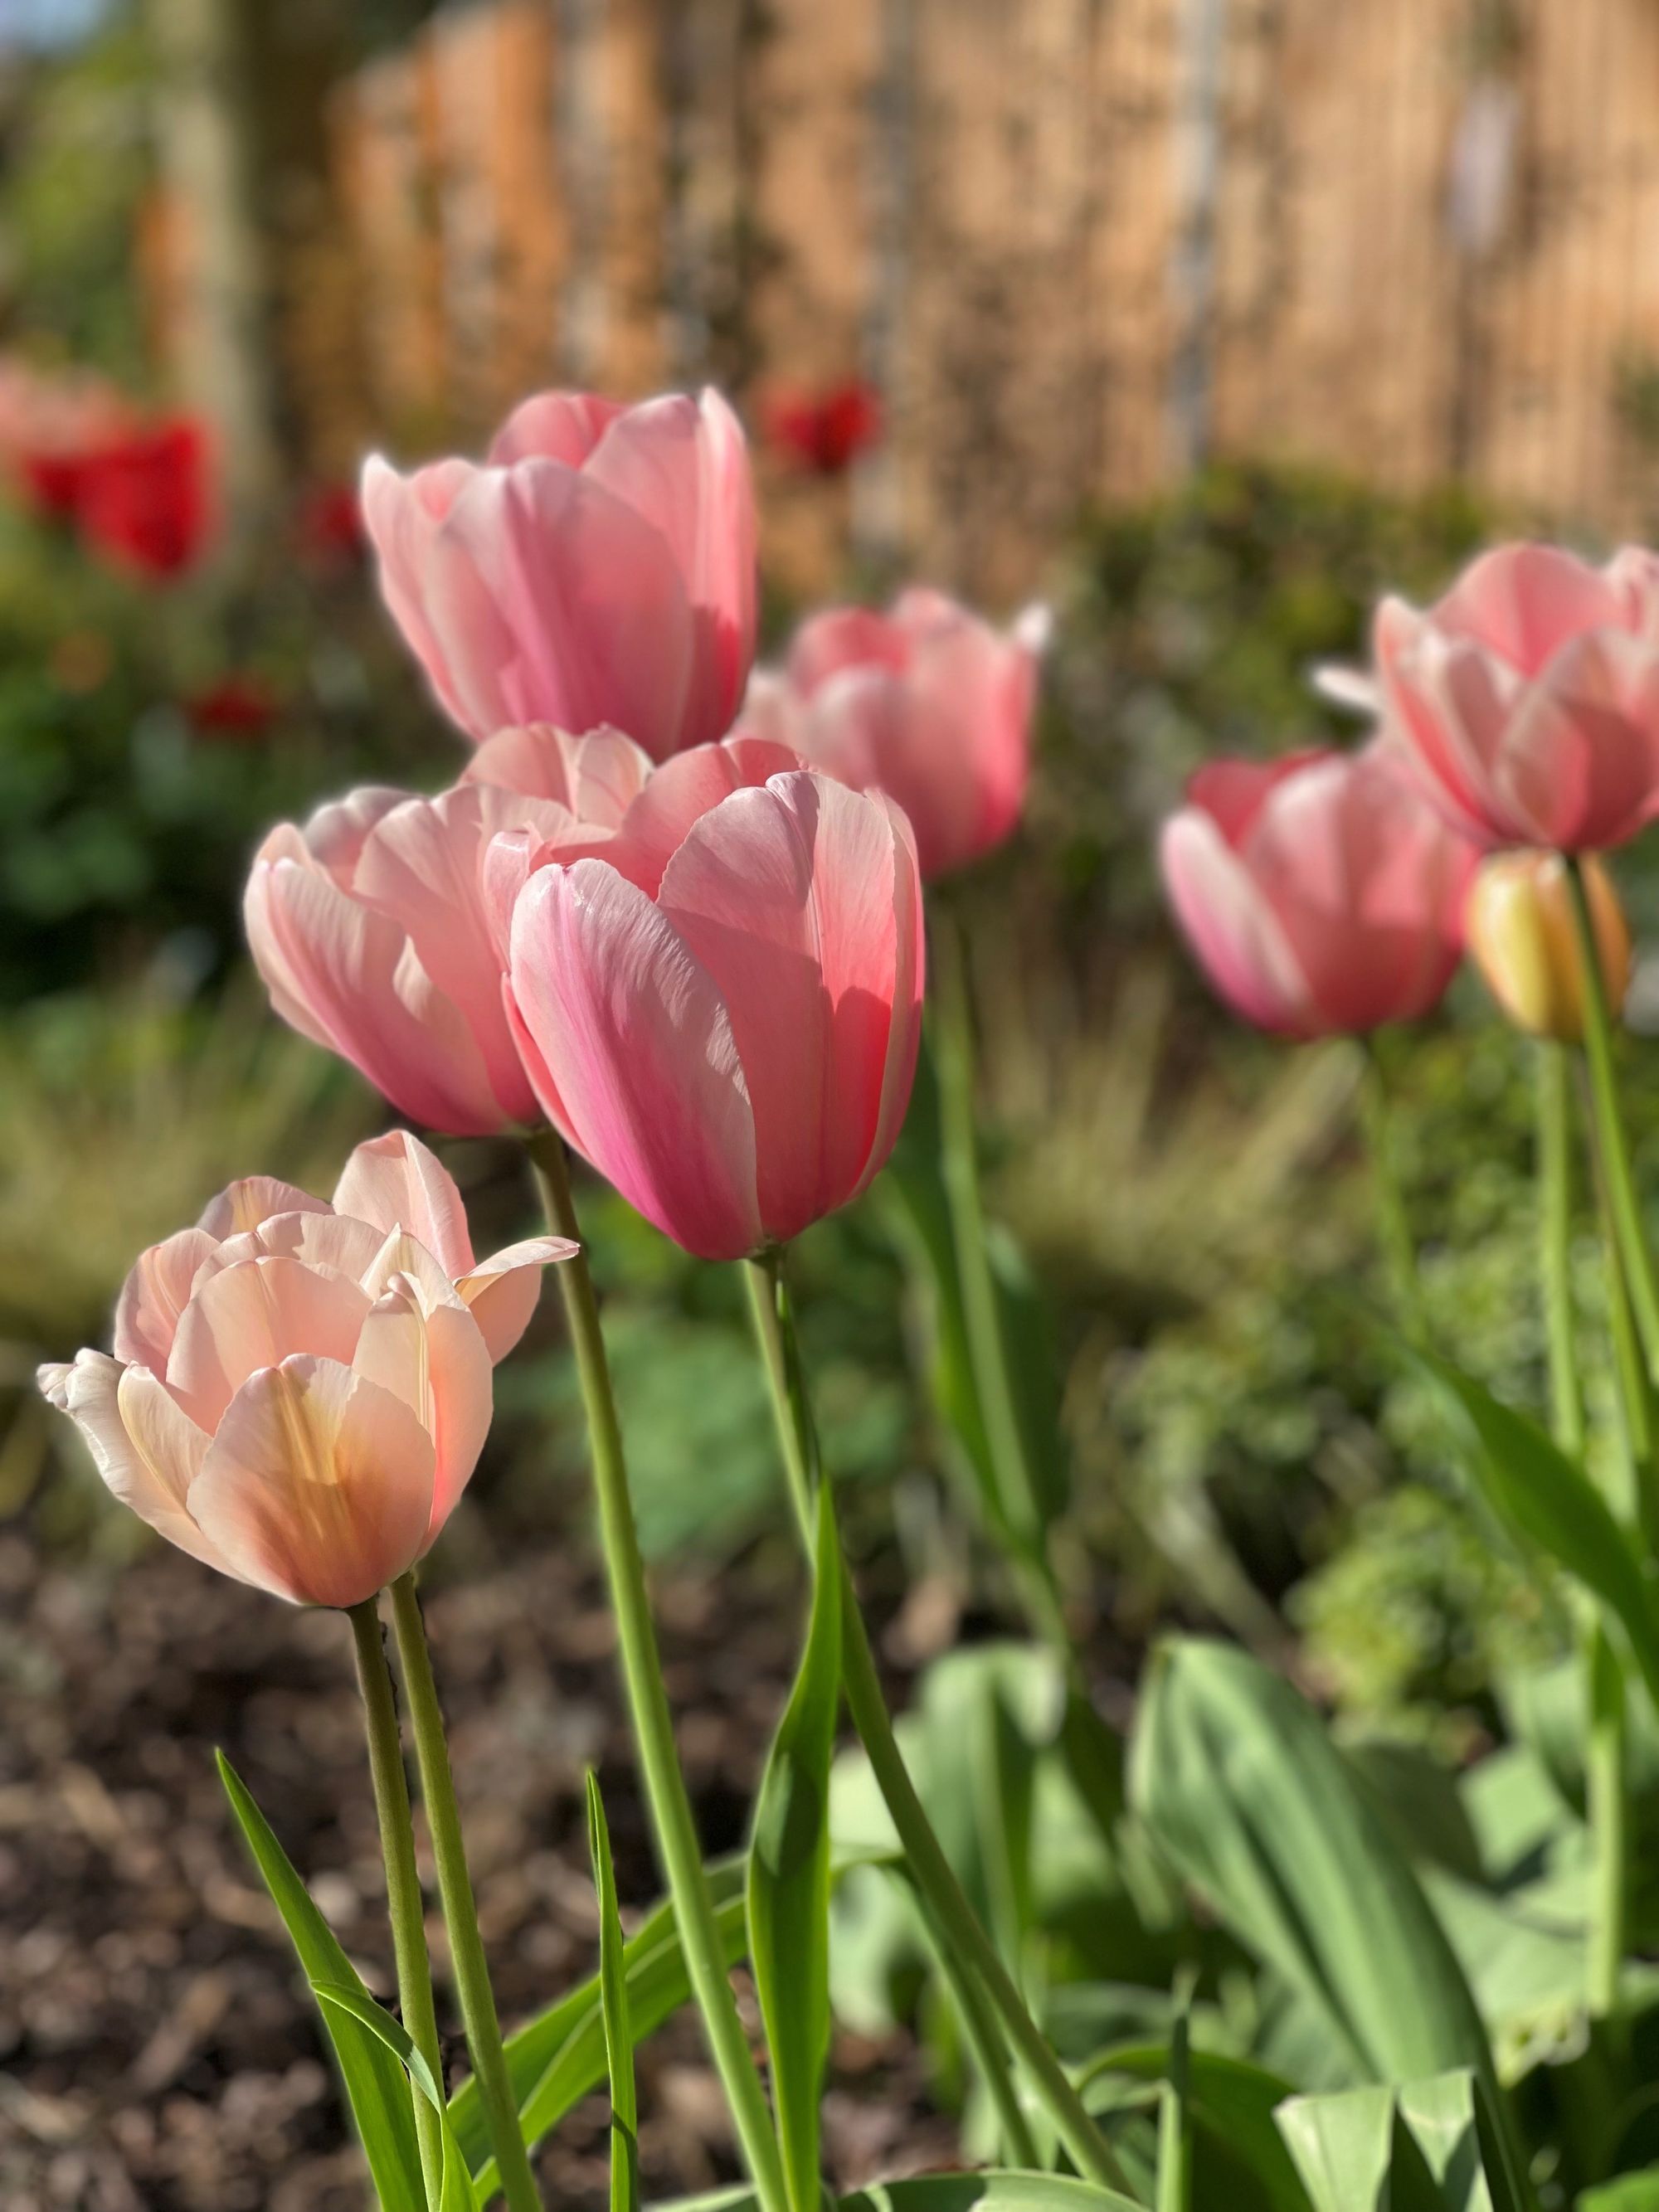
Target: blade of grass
[(613, 1997)]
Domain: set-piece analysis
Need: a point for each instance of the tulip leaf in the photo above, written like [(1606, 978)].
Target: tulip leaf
[(455, 2191), (554, 2060), (1429, 2146), (992, 2190), (1549, 1501), (1244, 1791), (789, 1879), (375, 2085), (613, 2006), (1175, 2117), (1231, 2102)]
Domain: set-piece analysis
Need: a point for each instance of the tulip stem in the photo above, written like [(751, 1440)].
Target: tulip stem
[(405, 1907), (1555, 1244), (1635, 1256), (653, 1724), (466, 1951), (956, 1920), (1394, 1226), (1018, 1494)]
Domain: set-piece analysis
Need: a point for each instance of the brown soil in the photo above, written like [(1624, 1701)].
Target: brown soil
[(157, 2050)]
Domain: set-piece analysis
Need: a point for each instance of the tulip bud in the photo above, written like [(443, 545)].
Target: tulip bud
[(1521, 937)]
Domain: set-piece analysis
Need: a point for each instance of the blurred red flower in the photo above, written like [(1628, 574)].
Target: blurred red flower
[(237, 706), (330, 526), (143, 500), (823, 432)]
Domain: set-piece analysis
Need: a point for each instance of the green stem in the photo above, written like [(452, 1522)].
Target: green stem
[(1604, 1686), (653, 1725), (1394, 1227), (466, 1951), (1634, 1255), (1554, 1170), (981, 1305), (985, 2040), (405, 1907), (1605, 1791), (956, 1920)]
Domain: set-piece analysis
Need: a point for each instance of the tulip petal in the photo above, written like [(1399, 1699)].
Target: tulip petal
[(1582, 760), (395, 1181), (436, 1361), (785, 895), (684, 789), (683, 466), (360, 989), (594, 777), (1237, 939), (639, 1045), (552, 601), (253, 1316), (143, 1469), (502, 1290), (400, 514), (554, 426), (155, 1295), (1523, 602), (318, 1484), (242, 1206)]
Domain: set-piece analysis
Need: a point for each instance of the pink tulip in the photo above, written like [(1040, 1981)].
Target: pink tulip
[(721, 1013), (926, 703), (1320, 892), (600, 567), (369, 928), (1527, 699), (300, 1391)]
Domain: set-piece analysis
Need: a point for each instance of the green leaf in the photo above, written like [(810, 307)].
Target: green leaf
[(1242, 1789), (613, 2005), (789, 1879), (1548, 1500), (1232, 2102), (1632, 2192), (990, 2191), (375, 2085), (1175, 2119), (455, 2188), (1429, 2146), (556, 2059)]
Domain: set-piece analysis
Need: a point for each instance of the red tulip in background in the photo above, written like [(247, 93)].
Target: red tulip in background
[(50, 426), (1320, 893), (1527, 699), (600, 567), (329, 528), (235, 707), (143, 502), (926, 702), (823, 432)]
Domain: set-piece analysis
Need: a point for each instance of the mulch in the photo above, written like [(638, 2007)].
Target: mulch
[(158, 2052)]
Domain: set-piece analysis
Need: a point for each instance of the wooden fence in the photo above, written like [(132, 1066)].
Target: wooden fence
[(1074, 244)]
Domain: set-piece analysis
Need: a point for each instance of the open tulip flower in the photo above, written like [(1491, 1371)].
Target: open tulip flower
[(600, 567), (720, 1010), (926, 702), (1320, 893), (299, 1391), (1527, 699)]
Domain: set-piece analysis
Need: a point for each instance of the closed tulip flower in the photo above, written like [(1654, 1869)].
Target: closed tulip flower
[(1527, 699), (367, 927), (299, 1391), (600, 567), (927, 703), (721, 1013), (1320, 892), (1521, 937)]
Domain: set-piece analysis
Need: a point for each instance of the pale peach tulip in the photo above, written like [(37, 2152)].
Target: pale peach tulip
[(1523, 939), (299, 1391), (1321, 892), (598, 569), (1527, 699), (926, 703), (722, 1010)]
